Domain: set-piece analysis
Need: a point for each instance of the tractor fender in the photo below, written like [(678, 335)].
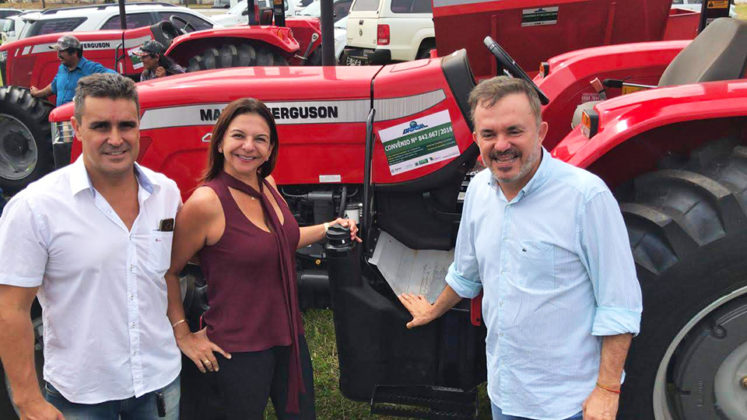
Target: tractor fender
[(570, 75), (631, 117), (304, 29), (185, 46)]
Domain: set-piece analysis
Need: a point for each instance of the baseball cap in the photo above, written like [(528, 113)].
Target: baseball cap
[(66, 42), (151, 47)]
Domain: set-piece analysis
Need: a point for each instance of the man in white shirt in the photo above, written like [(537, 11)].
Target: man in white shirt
[(93, 241)]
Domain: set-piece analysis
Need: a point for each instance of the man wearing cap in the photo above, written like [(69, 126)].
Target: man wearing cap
[(155, 63), (73, 66)]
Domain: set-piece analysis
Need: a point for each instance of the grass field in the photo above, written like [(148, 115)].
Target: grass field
[(330, 404)]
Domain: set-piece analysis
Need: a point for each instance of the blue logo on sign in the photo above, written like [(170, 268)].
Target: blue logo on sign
[(414, 126)]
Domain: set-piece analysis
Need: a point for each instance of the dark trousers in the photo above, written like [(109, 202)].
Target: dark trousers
[(248, 379)]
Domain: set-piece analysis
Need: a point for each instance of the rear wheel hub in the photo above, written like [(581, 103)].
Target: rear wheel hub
[(18, 153)]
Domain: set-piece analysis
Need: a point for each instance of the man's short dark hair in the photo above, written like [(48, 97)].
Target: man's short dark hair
[(104, 85), (490, 91)]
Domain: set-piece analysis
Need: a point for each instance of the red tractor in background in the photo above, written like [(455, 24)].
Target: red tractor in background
[(367, 142), (25, 150), (533, 30), (25, 153)]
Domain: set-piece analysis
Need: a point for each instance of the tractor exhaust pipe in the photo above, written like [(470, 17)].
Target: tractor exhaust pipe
[(328, 34)]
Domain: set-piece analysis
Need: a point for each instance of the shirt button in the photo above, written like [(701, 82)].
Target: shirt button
[(132, 325), (132, 268)]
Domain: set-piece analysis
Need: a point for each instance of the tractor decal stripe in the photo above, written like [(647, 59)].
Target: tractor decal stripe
[(393, 108), (297, 112), (102, 44)]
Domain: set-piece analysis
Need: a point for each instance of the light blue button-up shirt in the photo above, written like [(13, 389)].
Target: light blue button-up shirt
[(66, 80), (557, 273)]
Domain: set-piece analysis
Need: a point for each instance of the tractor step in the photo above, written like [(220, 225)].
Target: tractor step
[(424, 402)]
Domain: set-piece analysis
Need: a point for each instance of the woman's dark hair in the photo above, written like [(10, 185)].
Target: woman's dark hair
[(231, 111)]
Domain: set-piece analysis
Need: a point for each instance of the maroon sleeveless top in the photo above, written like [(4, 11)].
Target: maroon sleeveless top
[(251, 280), (248, 309)]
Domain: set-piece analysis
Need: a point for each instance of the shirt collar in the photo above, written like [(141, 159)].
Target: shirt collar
[(78, 66), (80, 181), (538, 179)]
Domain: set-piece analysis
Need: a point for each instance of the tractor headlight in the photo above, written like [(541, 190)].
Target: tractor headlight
[(62, 132)]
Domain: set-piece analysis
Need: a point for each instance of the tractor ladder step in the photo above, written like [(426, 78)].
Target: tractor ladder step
[(424, 402)]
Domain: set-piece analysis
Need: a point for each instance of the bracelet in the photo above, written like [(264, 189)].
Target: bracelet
[(178, 322), (326, 226), (614, 391)]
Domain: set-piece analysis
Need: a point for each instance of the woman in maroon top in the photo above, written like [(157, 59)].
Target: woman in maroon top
[(246, 237)]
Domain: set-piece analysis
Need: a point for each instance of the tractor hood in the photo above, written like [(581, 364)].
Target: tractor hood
[(321, 114)]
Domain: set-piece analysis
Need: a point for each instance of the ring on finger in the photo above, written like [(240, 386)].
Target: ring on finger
[(206, 361)]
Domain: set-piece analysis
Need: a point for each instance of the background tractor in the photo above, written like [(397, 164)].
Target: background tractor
[(25, 149)]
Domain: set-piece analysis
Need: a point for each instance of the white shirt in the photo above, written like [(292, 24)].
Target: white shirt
[(102, 287), (557, 273)]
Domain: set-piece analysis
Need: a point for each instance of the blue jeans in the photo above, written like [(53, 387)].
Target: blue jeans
[(498, 415), (142, 408)]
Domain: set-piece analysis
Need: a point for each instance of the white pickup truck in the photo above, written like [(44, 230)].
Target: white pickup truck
[(383, 31)]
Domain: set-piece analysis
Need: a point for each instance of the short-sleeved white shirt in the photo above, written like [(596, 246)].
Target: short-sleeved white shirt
[(102, 287)]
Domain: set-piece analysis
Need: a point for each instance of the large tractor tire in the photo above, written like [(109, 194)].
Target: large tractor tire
[(688, 231), (25, 139), (231, 55)]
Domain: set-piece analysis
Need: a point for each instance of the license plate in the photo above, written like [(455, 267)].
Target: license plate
[(354, 61)]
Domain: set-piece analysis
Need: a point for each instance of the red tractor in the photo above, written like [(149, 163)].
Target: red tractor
[(368, 142), (25, 152)]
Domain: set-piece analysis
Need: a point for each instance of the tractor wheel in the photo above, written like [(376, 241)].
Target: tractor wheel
[(8, 410), (231, 55), (688, 230), (425, 49), (25, 139)]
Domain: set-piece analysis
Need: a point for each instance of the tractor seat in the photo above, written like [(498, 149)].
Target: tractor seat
[(718, 53)]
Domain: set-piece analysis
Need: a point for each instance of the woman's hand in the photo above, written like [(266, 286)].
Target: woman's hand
[(348, 224), (198, 347)]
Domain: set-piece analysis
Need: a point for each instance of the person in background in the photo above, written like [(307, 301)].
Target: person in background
[(72, 68), (246, 238), (156, 64)]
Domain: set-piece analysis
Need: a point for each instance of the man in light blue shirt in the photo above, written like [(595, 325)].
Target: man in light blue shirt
[(546, 244)]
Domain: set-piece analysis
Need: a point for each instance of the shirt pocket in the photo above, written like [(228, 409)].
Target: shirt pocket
[(536, 264), (159, 251)]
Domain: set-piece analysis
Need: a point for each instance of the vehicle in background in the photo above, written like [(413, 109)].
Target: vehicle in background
[(384, 31), (341, 38), (695, 6), (238, 14), (9, 28), (340, 10), (5, 12), (106, 16), (532, 34)]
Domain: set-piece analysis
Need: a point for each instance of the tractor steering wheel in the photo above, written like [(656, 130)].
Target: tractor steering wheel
[(182, 26), (507, 63)]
